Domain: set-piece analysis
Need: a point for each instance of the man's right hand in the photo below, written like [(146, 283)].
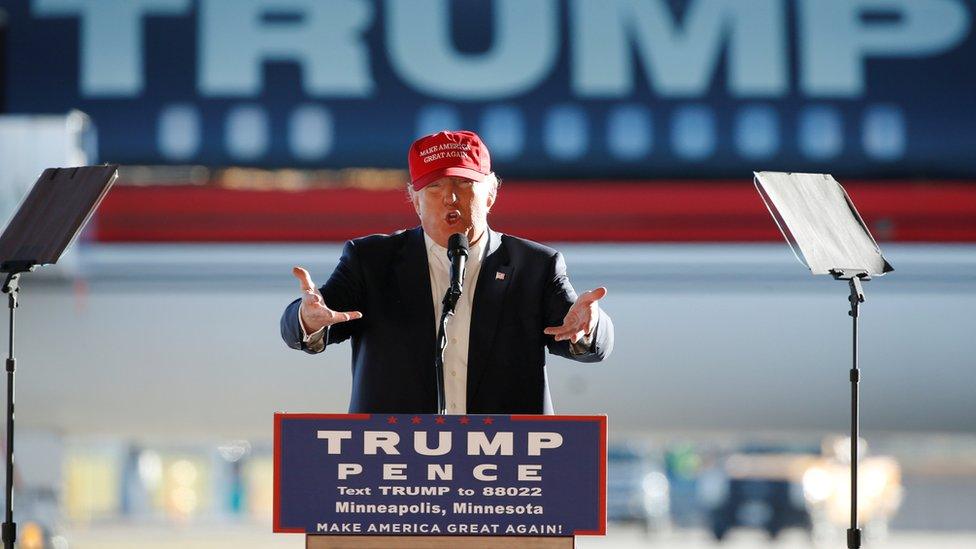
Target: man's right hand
[(314, 313)]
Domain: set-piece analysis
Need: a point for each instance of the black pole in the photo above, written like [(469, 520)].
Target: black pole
[(439, 360), (448, 305), (856, 298), (10, 288)]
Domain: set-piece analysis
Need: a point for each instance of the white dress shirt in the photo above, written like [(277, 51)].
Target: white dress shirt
[(459, 326)]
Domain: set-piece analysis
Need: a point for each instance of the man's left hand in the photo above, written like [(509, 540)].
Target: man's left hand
[(581, 318)]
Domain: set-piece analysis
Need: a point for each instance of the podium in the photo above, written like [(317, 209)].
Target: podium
[(358, 481)]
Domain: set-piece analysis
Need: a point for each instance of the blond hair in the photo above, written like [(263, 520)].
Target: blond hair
[(491, 179)]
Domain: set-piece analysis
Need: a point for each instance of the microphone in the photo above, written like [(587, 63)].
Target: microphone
[(457, 254)]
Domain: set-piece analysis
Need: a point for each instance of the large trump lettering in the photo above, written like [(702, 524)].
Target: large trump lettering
[(609, 44)]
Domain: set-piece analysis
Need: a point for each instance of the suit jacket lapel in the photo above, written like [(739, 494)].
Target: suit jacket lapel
[(489, 297), (413, 282)]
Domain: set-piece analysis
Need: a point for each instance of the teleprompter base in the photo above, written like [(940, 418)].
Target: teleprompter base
[(437, 542)]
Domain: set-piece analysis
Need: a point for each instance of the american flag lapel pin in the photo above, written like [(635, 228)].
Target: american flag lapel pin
[(499, 276)]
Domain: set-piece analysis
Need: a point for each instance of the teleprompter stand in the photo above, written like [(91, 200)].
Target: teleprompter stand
[(11, 287), (821, 224), (854, 278), (48, 220)]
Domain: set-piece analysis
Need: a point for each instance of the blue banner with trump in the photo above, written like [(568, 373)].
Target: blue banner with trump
[(504, 475), (556, 88)]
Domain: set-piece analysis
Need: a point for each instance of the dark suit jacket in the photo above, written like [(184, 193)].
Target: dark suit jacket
[(386, 278)]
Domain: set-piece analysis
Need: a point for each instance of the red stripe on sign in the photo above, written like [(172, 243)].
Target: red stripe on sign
[(531, 417), (583, 211), (347, 417)]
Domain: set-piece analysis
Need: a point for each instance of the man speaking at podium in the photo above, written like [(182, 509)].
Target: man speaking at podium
[(386, 296)]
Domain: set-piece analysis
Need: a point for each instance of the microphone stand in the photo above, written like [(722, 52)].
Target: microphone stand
[(457, 254), (449, 303)]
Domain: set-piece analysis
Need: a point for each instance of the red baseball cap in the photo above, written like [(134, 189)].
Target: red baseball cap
[(444, 154)]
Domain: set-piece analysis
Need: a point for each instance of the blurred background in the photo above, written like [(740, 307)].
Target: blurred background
[(255, 135)]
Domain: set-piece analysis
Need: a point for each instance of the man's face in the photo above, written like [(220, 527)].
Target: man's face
[(454, 205)]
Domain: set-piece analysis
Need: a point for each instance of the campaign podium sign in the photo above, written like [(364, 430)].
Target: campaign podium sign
[(432, 475)]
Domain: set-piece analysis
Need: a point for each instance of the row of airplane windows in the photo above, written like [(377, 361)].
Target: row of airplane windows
[(629, 131)]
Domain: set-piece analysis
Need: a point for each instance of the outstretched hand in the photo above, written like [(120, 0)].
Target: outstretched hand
[(581, 318), (314, 313)]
